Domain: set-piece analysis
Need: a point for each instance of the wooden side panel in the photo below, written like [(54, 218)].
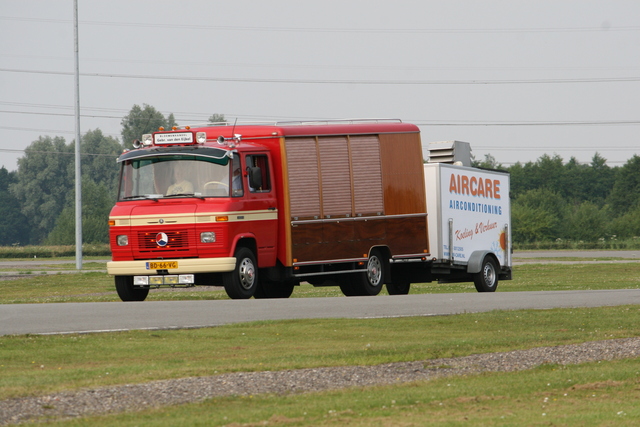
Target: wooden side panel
[(367, 175), (407, 235), (339, 240), (344, 180), (402, 180), (306, 239), (336, 176), (304, 189)]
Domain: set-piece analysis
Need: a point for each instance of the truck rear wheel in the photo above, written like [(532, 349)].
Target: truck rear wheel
[(128, 292), (241, 283), (268, 289), (487, 279), (398, 288), (368, 283)]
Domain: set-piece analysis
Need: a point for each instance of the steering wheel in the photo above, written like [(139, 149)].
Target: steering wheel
[(216, 183)]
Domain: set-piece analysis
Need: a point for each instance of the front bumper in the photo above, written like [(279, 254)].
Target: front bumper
[(185, 266)]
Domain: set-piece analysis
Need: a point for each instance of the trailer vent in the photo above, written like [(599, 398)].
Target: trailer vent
[(450, 152)]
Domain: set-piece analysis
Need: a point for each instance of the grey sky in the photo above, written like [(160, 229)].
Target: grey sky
[(516, 79)]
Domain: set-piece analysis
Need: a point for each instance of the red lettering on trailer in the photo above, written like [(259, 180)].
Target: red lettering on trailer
[(474, 186)]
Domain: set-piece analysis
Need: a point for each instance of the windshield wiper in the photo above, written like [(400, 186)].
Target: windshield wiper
[(198, 196), (153, 197)]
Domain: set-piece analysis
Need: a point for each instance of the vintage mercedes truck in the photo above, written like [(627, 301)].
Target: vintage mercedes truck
[(261, 208)]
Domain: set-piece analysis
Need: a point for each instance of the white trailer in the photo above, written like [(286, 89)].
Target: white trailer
[(469, 223)]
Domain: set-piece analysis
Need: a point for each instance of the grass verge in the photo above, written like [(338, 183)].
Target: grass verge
[(99, 287), (34, 365), (591, 394)]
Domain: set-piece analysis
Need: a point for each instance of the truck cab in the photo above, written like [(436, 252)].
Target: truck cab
[(184, 208)]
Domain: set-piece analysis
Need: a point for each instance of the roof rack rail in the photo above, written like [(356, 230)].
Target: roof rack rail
[(337, 121), (290, 122)]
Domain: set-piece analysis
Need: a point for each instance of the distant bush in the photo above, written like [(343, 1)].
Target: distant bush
[(610, 243), (52, 251)]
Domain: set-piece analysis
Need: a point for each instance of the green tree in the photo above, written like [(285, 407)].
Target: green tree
[(531, 224), (45, 181), (587, 222), (171, 121), (143, 120), (538, 215), (97, 201), (489, 162), (599, 179), (625, 194), (627, 225), (217, 118), (13, 224), (98, 161)]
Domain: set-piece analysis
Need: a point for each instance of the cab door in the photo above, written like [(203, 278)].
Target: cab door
[(261, 205)]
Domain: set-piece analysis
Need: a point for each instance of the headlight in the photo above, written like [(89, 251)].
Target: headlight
[(208, 237), (201, 137), (147, 139), (122, 240)]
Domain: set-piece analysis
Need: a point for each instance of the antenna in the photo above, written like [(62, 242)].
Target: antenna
[(234, 128)]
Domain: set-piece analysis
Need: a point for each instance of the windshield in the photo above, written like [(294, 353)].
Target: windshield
[(175, 176)]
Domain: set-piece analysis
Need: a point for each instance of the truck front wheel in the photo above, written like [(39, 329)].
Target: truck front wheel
[(241, 283), (128, 292), (487, 279)]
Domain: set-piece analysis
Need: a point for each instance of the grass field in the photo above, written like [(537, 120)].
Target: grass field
[(33, 287), (603, 393)]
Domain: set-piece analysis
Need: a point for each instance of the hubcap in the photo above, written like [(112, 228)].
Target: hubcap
[(247, 273), (374, 271), (489, 275)]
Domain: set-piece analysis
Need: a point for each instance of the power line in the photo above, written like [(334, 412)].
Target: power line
[(9, 150), (332, 66), (339, 81), (600, 29)]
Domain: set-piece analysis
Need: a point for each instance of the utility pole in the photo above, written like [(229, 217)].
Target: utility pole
[(77, 152)]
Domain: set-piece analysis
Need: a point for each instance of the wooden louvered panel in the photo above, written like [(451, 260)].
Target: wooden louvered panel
[(367, 175), (403, 181), (336, 177), (304, 191)]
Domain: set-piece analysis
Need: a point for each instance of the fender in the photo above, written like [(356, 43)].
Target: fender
[(244, 236), (475, 261)]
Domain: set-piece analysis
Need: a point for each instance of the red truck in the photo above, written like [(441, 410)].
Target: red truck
[(259, 209)]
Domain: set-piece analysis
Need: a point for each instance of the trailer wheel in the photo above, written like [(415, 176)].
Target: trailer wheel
[(368, 283), (268, 289), (398, 288), (487, 279), (128, 292), (241, 283)]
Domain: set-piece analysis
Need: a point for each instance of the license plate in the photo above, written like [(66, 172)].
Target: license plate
[(162, 265)]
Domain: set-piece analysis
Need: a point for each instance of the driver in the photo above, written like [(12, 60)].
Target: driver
[(181, 185)]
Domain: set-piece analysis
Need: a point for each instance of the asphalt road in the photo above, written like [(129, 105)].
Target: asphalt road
[(117, 316)]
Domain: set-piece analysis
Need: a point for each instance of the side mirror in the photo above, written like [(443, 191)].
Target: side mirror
[(255, 178)]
